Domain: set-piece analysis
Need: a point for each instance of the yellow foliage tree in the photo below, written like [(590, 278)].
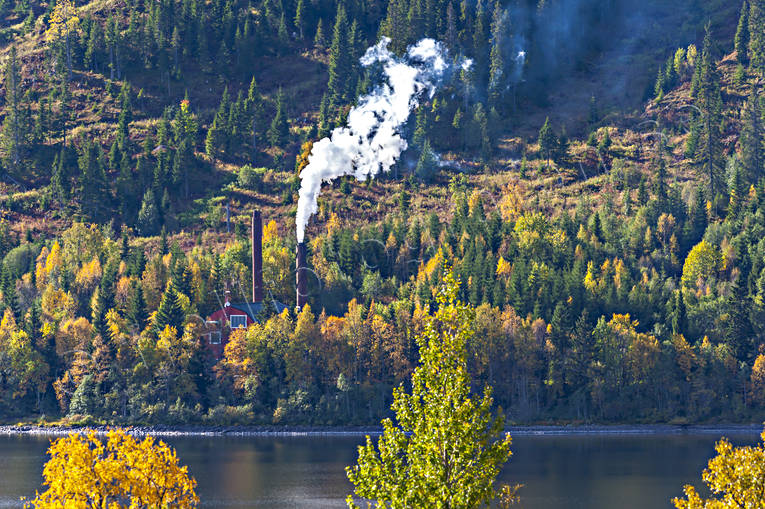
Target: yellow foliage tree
[(758, 379), (735, 477), (701, 263), (84, 471), (270, 232), (63, 20)]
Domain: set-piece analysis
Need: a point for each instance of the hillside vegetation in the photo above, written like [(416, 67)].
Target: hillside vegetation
[(605, 219)]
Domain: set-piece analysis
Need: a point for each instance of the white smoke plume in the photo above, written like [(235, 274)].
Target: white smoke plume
[(371, 142)]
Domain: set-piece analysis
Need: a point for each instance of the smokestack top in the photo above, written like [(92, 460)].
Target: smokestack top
[(257, 256)]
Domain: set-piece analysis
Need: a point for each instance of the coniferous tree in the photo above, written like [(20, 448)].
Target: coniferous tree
[(15, 125), (339, 60), (480, 69), (170, 312), (679, 315), (59, 182), (547, 141), (396, 25), (278, 133), (136, 310), (709, 152), (299, 20), (148, 215), (497, 73), (94, 195), (752, 140), (105, 297), (427, 164), (254, 112), (324, 120), (756, 53), (741, 41), (218, 132), (318, 39)]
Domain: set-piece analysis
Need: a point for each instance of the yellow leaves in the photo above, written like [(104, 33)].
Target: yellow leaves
[(333, 223), (89, 274), (504, 268), (7, 324), (537, 236), (121, 472), (63, 20), (57, 304), (700, 265), (511, 204), (590, 282), (433, 264), (302, 158), (685, 356), (757, 379), (270, 232), (73, 335), (48, 264), (474, 201), (735, 477), (167, 337)]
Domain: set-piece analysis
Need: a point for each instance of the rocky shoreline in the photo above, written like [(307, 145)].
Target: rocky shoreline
[(314, 431)]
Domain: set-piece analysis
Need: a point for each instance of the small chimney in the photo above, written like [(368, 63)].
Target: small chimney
[(301, 267), (257, 257)]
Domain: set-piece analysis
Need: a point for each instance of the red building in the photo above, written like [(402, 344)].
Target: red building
[(232, 316), (221, 324)]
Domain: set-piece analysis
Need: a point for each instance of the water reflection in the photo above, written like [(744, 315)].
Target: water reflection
[(593, 472)]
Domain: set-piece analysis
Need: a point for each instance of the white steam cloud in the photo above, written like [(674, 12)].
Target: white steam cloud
[(371, 142)]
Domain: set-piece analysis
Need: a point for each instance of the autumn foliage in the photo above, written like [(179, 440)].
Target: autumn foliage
[(736, 478), (119, 472)]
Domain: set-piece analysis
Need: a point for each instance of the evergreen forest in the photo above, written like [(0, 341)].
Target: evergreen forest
[(595, 179)]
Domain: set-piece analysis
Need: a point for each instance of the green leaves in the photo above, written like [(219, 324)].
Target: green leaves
[(446, 448)]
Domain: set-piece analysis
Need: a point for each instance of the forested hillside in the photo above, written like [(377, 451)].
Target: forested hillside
[(596, 178)]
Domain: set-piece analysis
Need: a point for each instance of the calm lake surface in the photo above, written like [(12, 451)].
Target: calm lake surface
[(574, 471)]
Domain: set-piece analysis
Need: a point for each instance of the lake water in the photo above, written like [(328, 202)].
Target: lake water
[(575, 471)]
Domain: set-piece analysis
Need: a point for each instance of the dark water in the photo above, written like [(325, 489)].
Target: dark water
[(593, 472)]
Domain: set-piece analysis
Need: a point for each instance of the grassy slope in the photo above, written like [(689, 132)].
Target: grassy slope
[(618, 78)]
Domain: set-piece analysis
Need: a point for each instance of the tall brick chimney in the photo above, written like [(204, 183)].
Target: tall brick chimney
[(301, 269), (257, 257)]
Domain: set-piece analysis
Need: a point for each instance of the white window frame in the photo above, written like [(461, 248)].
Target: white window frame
[(231, 321), (214, 334)]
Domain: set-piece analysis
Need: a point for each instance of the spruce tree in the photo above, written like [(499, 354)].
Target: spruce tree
[(125, 117), (757, 36), (170, 312), (105, 297), (148, 215), (751, 140), (59, 183), (339, 60), (278, 133), (218, 132), (93, 191), (299, 20), (741, 41), (709, 100), (480, 69), (427, 163), (15, 125), (497, 75), (136, 310), (318, 39), (679, 315), (547, 141)]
